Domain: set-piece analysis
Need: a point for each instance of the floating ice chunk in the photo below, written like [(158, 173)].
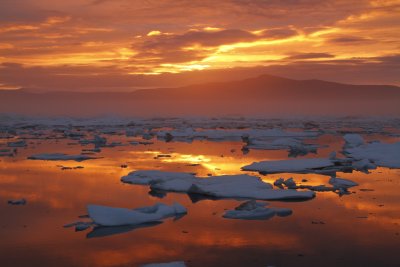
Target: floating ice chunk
[(168, 264), (279, 182), (291, 165), (21, 201), (21, 143), (258, 213), (380, 154), (79, 226), (295, 146), (111, 216), (148, 177), (353, 140), (225, 186), (283, 212), (252, 210), (98, 141), (363, 165), (341, 183), (60, 156), (290, 183)]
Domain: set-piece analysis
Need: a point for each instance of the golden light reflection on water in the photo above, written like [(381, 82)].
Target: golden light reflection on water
[(56, 197)]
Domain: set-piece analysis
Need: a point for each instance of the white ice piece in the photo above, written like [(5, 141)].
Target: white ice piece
[(290, 165), (112, 216), (225, 186)]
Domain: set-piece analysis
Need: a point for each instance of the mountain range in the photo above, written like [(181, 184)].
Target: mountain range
[(264, 95)]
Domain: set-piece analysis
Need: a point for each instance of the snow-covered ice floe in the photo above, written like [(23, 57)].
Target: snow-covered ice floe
[(375, 153), (167, 264), (111, 216), (253, 210), (353, 140), (338, 185), (225, 186), (295, 146), (108, 221), (60, 156), (307, 165)]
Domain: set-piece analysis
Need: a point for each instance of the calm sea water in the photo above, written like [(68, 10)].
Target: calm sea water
[(360, 229)]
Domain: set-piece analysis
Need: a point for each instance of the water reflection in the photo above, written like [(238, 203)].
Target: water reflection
[(360, 229)]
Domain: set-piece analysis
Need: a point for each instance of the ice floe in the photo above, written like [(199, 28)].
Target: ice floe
[(377, 153), (353, 140), (60, 156), (111, 216), (341, 183), (106, 221), (307, 165), (225, 186), (295, 146)]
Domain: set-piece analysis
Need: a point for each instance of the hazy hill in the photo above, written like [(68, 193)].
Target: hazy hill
[(264, 95)]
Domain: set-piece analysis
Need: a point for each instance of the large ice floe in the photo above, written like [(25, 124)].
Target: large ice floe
[(253, 210), (225, 186), (113, 220), (111, 216), (306, 165), (374, 153), (60, 156), (295, 146)]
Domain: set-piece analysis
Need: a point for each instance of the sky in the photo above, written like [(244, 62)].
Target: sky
[(117, 45)]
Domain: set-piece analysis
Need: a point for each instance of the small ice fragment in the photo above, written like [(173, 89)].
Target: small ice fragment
[(21, 143), (279, 182), (283, 212), (353, 140), (341, 183), (21, 201), (290, 183)]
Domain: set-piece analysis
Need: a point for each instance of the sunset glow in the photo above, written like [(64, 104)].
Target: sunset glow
[(156, 37)]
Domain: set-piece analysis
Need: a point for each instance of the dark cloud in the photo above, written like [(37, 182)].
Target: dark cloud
[(278, 33), (348, 40), (310, 56)]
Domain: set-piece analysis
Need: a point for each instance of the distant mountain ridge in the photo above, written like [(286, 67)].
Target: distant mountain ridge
[(264, 94)]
